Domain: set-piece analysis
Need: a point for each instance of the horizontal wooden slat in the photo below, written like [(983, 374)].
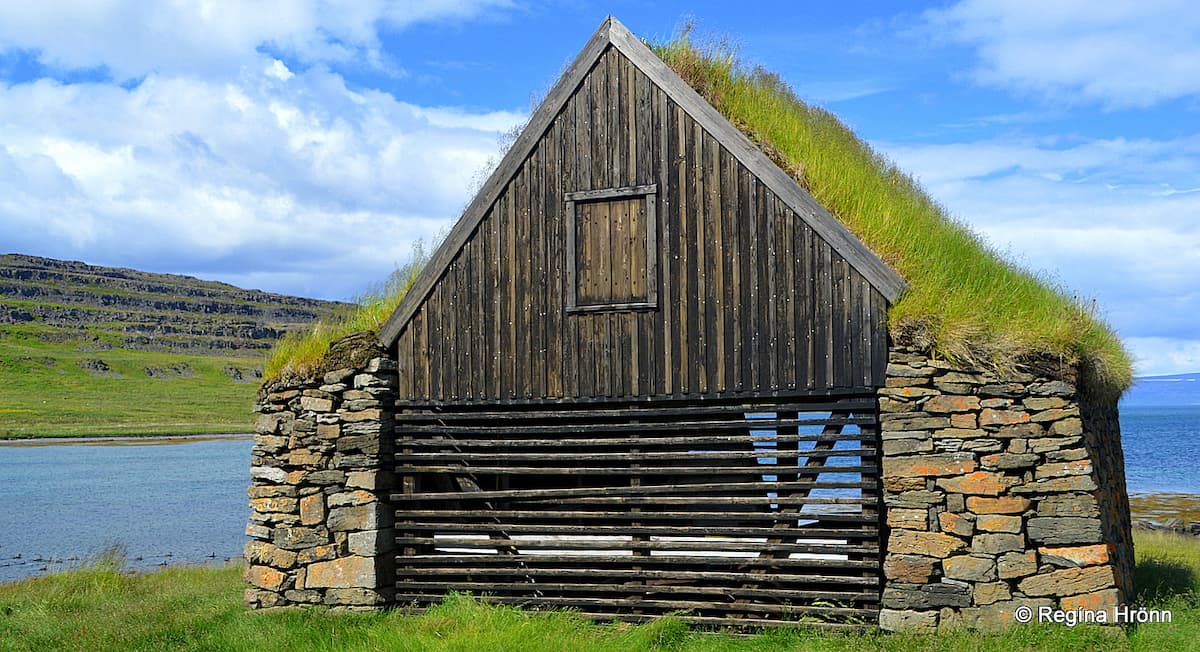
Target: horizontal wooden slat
[(580, 428), (421, 412), (726, 545), (784, 610), (756, 470), (514, 529), (517, 515), (729, 488), (627, 574), (678, 440), (659, 456), (838, 594)]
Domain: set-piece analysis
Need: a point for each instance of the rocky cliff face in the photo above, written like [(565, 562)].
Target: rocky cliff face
[(124, 308)]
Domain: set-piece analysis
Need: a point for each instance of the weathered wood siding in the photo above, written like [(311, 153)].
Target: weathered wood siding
[(750, 301)]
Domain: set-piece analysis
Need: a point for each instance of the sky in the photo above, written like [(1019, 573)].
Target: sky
[(303, 146)]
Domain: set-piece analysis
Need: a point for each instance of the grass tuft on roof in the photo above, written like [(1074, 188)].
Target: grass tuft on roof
[(965, 301), (304, 354)]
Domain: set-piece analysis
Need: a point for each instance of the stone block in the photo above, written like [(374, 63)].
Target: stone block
[(947, 404), (1064, 469), (933, 544), (264, 577), (1003, 390), (268, 474), (992, 543), (905, 371), (1054, 414), (383, 367), (1069, 455), (926, 596), (899, 485), (929, 465), (908, 519), (356, 497), (983, 445), (273, 504), (261, 552), (998, 523), (1068, 581), (904, 446), (960, 524), (896, 620), (991, 418), (970, 568), (907, 392), (1012, 565), (1057, 485), (305, 457), (372, 414), (318, 553), (270, 491), (1063, 530), (1045, 444), (258, 531), (337, 376), (1077, 556), (1107, 600), (329, 430), (312, 509), (960, 433), (358, 517), (990, 592), (353, 597), (1009, 460), (326, 477), (347, 572), (1052, 388), (1022, 430), (1081, 505), (1001, 505), (362, 479), (966, 421), (1065, 427), (914, 569), (978, 483), (297, 538), (914, 499), (314, 404), (256, 598), (371, 542), (368, 444), (1044, 403), (302, 596)]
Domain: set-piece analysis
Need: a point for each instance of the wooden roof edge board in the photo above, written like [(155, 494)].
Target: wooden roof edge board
[(612, 32), (479, 206), (886, 280)]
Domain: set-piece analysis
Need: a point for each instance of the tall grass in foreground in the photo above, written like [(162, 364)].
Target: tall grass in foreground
[(101, 608), (300, 353), (964, 298)]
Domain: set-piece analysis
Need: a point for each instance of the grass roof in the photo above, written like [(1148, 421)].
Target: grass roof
[(965, 301)]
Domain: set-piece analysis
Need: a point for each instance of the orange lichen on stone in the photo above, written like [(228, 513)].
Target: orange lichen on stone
[(979, 482)]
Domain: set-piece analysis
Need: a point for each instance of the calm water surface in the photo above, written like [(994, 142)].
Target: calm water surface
[(172, 501), (184, 502)]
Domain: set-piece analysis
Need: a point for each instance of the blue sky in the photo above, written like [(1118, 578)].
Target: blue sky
[(301, 147)]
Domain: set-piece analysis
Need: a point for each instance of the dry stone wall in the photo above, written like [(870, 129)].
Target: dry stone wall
[(320, 527), (998, 492)]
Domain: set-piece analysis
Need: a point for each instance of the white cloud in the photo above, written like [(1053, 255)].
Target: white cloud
[(1122, 53), (260, 174), (1157, 356), (203, 38), (1092, 214)]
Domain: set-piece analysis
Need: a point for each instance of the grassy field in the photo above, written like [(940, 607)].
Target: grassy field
[(101, 608), (47, 393)]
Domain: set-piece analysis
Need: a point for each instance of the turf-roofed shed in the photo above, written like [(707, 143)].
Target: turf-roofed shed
[(647, 373)]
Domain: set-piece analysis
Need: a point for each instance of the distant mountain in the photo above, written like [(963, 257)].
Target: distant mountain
[(1163, 391), (57, 300), (87, 350)]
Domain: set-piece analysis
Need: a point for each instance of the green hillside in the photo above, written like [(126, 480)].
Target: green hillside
[(88, 350)]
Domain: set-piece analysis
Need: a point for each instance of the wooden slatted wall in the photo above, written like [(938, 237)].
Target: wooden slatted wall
[(735, 513), (750, 300)]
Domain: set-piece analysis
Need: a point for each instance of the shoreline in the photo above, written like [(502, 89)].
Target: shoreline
[(127, 439)]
